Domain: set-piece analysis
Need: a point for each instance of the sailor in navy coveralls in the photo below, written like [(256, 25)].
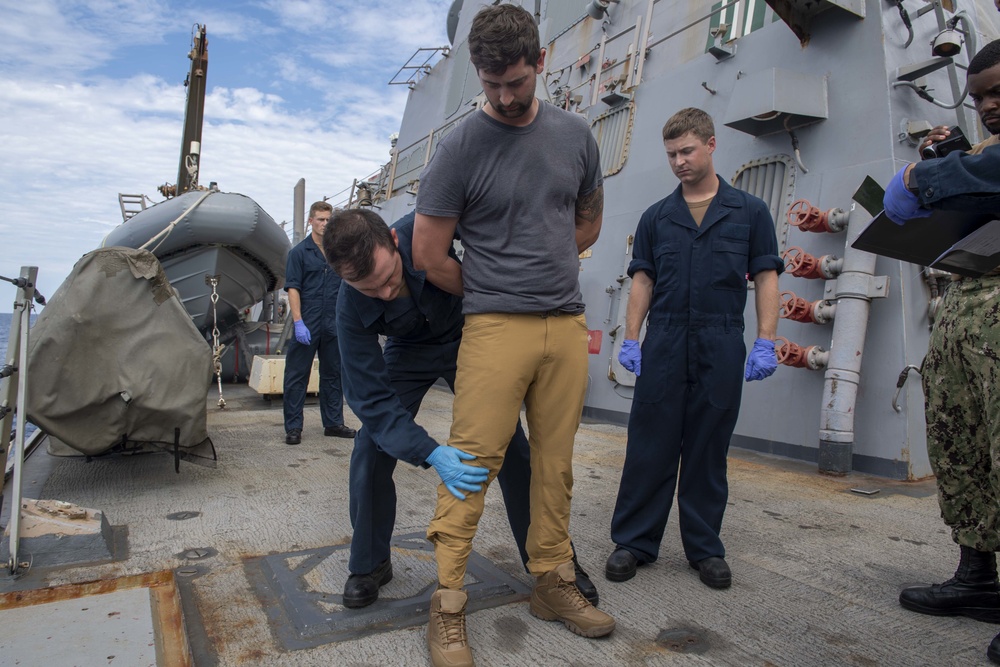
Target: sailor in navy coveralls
[(312, 288), (692, 255)]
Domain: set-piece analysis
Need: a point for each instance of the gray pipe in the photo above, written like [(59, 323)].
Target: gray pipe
[(843, 374)]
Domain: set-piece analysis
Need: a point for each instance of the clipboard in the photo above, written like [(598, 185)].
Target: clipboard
[(967, 244)]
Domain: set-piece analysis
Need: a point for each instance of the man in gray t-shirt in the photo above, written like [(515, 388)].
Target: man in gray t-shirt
[(514, 190), (521, 181)]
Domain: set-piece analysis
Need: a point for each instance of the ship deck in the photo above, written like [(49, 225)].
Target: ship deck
[(817, 567)]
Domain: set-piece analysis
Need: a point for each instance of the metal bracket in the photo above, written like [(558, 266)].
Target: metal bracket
[(856, 285)]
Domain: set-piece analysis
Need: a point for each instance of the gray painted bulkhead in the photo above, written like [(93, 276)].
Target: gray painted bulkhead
[(857, 59)]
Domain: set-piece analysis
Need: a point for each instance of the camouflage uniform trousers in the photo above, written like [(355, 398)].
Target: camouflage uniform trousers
[(961, 380)]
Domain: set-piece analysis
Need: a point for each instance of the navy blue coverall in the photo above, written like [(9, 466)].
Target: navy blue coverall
[(318, 286), (385, 388), (687, 398)]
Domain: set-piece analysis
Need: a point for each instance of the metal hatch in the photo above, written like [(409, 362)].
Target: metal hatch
[(135, 621)]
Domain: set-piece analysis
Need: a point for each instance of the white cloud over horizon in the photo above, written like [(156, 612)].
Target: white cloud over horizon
[(93, 106)]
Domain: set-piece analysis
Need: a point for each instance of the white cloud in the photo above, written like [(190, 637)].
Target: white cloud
[(44, 35), (75, 136)]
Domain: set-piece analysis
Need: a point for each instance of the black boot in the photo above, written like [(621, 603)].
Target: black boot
[(621, 565), (362, 589), (584, 584), (972, 592), (993, 650)]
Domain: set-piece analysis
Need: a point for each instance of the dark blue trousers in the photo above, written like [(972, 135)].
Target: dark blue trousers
[(413, 369), (298, 365), (683, 415)]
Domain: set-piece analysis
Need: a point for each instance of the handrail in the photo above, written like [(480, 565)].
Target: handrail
[(14, 389)]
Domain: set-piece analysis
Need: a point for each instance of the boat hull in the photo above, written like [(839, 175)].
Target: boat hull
[(221, 235)]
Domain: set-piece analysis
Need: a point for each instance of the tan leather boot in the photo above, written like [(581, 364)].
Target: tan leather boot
[(446, 637), (556, 598)]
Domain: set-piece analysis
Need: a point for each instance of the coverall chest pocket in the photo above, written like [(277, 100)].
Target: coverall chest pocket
[(730, 253), (666, 258)]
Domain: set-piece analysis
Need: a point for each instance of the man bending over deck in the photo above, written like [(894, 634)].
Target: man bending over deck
[(384, 295)]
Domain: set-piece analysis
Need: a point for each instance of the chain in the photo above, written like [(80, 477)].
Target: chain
[(216, 348)]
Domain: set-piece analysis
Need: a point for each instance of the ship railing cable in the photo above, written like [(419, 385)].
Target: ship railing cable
[(163, 233), (217, 349)]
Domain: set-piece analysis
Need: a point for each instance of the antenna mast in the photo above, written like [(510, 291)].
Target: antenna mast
[(194, 113)]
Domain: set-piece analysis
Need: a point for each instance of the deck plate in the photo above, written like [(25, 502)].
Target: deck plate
[(302, 592)]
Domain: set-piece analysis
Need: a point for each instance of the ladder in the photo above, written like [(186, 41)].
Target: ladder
[(131, 204), (13, 385)]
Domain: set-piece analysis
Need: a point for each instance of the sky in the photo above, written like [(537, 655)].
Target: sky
[(92, 105)]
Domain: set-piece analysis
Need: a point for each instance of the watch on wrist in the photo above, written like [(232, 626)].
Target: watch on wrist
[(909, 181)]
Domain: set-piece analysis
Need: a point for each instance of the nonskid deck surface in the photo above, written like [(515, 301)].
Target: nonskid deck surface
[(817, 568)]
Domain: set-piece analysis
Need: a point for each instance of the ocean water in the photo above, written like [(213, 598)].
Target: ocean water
[(5, 319)]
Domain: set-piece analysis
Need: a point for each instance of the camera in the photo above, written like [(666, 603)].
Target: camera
[(956, 141)]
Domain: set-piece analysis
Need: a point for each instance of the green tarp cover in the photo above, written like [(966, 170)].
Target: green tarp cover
[(115, 360)]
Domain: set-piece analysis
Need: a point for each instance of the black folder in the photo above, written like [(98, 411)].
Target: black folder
[(964, 243)]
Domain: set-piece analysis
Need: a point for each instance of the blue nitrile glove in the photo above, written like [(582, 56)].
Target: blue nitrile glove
[(900, 204), (456, 475), (630, 356), (302, 333), (762, 360)]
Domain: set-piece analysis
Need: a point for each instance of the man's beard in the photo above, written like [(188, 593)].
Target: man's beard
[(513, 111)]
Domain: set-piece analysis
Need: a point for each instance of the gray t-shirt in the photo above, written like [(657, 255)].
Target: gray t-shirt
[(514, 190)]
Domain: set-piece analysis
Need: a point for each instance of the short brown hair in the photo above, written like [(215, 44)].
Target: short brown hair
[(319, 207), (690, 120), (350, 241), (501, 35)]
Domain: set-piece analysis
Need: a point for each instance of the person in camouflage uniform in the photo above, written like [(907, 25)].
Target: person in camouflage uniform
[(961, 372), (961, 378)]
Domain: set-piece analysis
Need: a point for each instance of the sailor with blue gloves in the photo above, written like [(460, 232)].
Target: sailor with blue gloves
[(762, 360), (312, 288), (456, 475), (761, 363), (302, 334), (630, 356), (385, 385), (692, 254), (901, 203)]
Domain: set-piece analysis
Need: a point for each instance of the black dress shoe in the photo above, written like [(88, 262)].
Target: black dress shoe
[(714, 572), (993, 651), (341, 431), (584, 584), (293, 437), (621, 565), (362, 589)]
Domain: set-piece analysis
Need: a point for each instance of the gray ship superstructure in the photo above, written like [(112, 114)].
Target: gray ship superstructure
[(807, 104)]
